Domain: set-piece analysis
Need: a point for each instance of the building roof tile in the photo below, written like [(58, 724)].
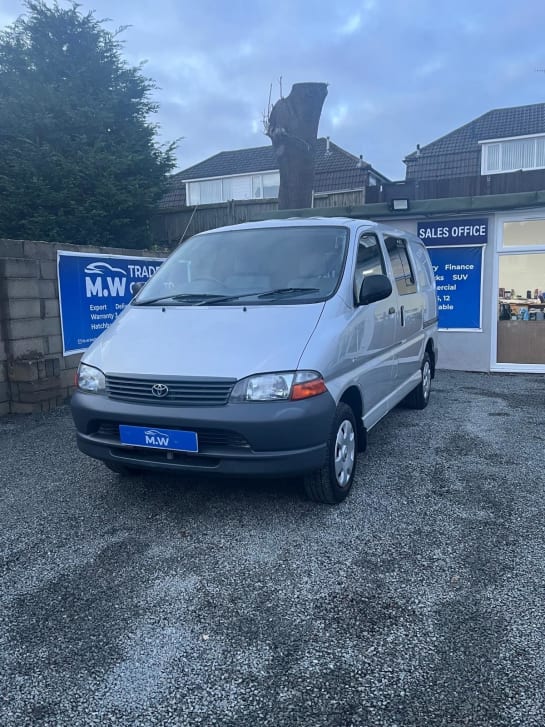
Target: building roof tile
[(459, 153)]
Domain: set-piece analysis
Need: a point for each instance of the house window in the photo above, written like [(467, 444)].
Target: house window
[(271, 185), (240, 187), (511, 155), (265, 186), (257, 186), (237, 188), (205, 192)]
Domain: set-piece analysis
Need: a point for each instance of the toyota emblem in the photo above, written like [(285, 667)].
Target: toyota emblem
[(159, 390)]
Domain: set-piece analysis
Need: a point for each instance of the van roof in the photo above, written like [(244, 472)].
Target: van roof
[(298, 222), (350, 222)]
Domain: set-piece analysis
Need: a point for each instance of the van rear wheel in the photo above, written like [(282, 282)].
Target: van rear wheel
[(420, 396), (332, 483)]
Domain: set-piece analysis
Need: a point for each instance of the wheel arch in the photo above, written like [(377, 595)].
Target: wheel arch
[(430, 350), (352, 397)]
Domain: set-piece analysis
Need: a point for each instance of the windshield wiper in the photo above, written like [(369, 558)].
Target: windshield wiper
[(211, 298), (281, 291), (178, 296), (265, 294)]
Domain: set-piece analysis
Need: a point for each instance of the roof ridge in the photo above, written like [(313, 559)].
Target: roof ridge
[(449, 133), (508, 108), (470, 123), (225, 151), (245, 150), (348, 153)]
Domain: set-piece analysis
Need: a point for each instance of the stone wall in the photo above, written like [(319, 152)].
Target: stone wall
[(34, 375)]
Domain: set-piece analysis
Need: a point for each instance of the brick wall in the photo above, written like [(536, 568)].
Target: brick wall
[(34, 375), (4, 385)]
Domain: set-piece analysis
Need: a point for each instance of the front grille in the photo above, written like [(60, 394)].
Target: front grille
[(207, 438), (181, 392)]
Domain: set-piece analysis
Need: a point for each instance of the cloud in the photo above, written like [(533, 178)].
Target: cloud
[(338, 115), (399, 73), (429, 68), (352, 24)]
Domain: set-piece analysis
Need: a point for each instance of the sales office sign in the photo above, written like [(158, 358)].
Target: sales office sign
[(434, 233), (455, 248)]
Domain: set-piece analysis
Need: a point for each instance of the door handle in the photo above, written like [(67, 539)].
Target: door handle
[(401, 310), (391, 310)]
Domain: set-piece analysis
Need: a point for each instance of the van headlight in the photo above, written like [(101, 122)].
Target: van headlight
[(281, 386), (91, 379)]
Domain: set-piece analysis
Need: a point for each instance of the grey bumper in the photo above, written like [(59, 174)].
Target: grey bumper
[(253, 438)]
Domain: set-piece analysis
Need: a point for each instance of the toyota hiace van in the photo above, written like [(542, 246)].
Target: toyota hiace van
[(267, 348)]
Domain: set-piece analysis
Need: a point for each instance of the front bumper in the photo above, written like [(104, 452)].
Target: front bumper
[(252, 438)]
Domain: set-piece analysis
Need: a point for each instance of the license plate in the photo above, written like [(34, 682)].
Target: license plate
[(174, 440)]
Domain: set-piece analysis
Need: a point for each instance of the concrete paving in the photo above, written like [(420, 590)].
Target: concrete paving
[(164, 601)]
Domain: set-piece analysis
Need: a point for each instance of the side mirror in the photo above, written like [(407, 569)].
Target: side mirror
[(373, 288), (136, 288)]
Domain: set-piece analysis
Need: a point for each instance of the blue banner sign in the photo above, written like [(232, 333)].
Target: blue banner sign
[(458, 272), (454, 232), (93, 291)]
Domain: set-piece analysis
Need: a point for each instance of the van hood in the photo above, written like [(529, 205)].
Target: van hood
[(230, 342)]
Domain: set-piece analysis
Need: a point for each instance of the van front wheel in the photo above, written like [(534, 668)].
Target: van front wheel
[(332, 483)]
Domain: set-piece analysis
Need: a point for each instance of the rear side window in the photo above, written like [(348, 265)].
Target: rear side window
[(424, 271), (401, 265)]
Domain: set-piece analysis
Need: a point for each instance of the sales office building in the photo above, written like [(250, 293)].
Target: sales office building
[(489, 266), (488, 255), (484, 183)]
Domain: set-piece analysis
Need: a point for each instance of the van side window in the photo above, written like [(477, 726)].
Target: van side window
[(425, 277), (369, 260), (401, 266)]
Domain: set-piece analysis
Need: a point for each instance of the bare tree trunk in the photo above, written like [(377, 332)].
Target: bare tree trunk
[(293, 128)]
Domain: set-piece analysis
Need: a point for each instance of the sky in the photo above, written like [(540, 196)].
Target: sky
[(400, 72)]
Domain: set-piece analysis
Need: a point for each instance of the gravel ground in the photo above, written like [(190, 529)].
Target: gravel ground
[(418, 601)]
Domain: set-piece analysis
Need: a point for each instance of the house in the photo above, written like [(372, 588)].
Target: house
[(231, 185), (500, 152), (476, 198)]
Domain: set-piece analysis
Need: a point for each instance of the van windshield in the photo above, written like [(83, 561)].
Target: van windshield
[(264, 266)]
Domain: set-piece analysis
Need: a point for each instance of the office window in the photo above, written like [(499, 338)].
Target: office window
[(524, 233), (521, 308)]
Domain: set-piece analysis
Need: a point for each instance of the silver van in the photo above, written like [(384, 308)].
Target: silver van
[(267, 348)]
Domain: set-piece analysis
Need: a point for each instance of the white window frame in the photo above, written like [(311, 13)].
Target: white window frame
[(499, 251), (485, 143), (250, 175)]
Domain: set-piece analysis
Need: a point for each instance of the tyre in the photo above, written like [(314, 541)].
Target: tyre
[(420, 396), (332, 483), (121, 469)]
